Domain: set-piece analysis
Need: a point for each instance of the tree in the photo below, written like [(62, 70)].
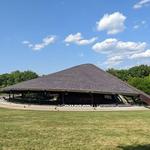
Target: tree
[(138, 76), (139, 71), (16, 77), (122, 74), (141, 83)]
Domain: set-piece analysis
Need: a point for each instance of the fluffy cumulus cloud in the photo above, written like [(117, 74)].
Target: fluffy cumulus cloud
[(112, 23), (38, 46), (78, 39), (141, 3), (110, 45), (117, 51)]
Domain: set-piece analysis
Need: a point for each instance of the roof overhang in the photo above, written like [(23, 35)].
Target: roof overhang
[(66, 90)]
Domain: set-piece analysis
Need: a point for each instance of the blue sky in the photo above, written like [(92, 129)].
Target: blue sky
[(49, 35)]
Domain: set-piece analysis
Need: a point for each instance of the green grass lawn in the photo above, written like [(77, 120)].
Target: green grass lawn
[(39, 130)]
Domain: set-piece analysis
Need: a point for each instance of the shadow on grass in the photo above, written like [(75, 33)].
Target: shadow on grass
[(135, 147)]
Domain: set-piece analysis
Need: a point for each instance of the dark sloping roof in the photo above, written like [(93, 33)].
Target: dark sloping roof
[(82, 78)]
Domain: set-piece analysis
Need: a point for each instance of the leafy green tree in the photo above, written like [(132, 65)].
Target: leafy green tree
[(139, 71), (16, 77), (122, 74), (138, 76), (141, 83)]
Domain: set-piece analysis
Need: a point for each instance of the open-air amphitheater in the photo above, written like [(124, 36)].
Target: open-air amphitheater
[(80, 88)]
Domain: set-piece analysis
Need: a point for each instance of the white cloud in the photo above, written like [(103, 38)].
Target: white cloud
[(30, 45), (141, 3), (86, 42), (38, 46), (115, 45), (117, 51), (136, 26), (114, 60), (140, 24), (25, 42), (78, 39), (144, 54), (112, 23), (73, 38), (143, 22), (45, 42)]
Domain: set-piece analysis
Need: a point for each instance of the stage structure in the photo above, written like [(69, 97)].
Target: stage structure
[(80, 85)]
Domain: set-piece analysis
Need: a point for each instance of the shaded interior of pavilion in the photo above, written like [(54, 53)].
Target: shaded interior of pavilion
[(71, 98)]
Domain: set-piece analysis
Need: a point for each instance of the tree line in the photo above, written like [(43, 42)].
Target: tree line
[(16, 77), (138, 76)]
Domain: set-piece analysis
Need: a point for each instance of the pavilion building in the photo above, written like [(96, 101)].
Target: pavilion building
[(80, 85)]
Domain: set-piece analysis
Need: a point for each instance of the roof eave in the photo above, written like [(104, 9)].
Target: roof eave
[(68, 90)]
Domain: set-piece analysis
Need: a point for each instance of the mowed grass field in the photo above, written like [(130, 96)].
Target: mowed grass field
[(41, 130)]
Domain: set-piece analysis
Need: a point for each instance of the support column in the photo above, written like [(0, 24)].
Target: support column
[(13, 96), (9, 96), (45, 94), (22, 95), (63, 98), (92, 99)]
